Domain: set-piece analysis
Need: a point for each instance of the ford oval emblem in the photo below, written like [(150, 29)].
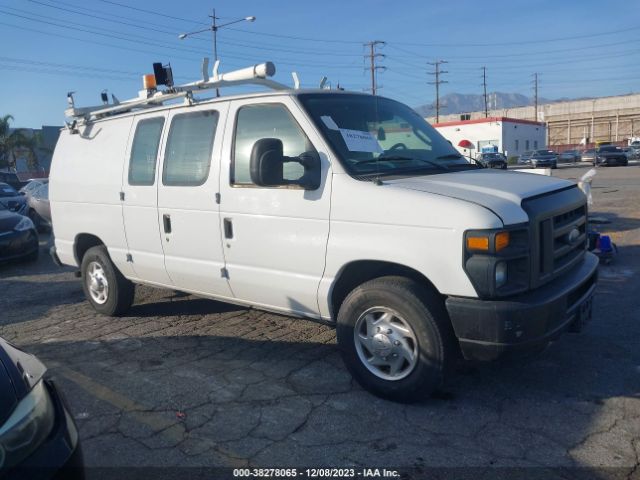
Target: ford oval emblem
[(572, 236)]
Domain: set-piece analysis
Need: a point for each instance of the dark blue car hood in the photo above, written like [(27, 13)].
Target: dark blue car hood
[(19, 372), (13, 200), (8, 220)]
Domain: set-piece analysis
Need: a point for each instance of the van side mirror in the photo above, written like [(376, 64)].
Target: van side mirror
[(267, 165), (267, 160)]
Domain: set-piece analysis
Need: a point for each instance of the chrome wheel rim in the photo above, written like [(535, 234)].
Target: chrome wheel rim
[(386, 343), (97, 283)]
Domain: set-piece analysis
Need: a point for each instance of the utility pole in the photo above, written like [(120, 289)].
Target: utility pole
[(373, 68), (437, 72), (535, 95), (484, 85)]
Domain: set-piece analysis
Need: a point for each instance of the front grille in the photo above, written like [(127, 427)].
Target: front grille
[(559, 233), (562, 239)]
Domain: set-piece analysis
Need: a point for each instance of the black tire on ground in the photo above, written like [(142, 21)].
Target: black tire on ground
[(33, 256), (120, 293), (35, 218), (554, 165), (423, 310)]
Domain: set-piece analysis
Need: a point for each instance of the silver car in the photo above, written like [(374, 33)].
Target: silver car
[(39, 210), (33, 185)]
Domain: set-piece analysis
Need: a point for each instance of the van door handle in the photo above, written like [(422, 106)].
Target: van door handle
[(166, 220), (228, 228)]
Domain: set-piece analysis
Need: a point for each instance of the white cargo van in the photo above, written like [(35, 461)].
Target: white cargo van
[(341, 207)]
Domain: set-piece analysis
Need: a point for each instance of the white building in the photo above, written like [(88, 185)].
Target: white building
[(511, 136)]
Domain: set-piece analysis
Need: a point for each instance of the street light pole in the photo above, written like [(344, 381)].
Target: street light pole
[(214, 29)]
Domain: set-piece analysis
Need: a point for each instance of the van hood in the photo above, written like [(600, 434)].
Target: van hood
[(499, 191)]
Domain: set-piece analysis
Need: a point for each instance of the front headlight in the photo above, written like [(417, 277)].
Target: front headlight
[(24, 224), (27, 427), (497, 260)]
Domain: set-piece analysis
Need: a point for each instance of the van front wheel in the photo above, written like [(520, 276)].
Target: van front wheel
[(394, 339), (108, 291)]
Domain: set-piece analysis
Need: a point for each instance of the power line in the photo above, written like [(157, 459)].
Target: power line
[(519, 53), (522, 42), (151, 12), (292, 37), (261, 46), (437, 72), (151, 42), (99, 17), (64, 65), (373, 68)]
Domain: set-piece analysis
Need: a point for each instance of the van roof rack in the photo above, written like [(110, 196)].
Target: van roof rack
[(151, 97)]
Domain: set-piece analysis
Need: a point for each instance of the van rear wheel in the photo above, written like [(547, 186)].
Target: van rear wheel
[(108, 291), (394, 339)]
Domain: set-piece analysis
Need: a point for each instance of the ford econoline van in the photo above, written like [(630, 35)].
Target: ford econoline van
[(336, 206)]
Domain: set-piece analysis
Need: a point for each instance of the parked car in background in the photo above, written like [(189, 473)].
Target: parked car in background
[(589, 155), (38, 437), (38, 207), (611, 155), (570, 156), (12, 199), (544, 158), (33, 184), (525, 158), (635, 145), (18, 239), (492, 160)]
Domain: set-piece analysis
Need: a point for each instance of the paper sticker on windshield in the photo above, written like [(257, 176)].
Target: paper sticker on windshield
[(358, 141), (328, 121)]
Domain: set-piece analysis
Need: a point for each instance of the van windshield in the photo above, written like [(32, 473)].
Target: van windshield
[(378, 136)]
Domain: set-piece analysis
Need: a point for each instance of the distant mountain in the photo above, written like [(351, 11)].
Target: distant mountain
[(465, 103)]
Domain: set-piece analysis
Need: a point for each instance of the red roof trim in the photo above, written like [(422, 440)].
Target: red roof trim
[(487, 120)]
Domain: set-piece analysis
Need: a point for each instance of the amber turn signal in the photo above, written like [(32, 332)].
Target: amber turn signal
[(502, 240), (478, 243)]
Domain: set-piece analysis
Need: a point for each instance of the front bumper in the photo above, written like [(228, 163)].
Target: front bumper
[(60, 455), (15, 245), (487, 329), (613, 161), (543, 163)]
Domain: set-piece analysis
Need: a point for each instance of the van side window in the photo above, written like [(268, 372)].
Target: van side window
[(144, 152), (188, 153), (267, 121)]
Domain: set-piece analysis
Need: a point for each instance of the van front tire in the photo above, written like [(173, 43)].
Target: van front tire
[(394, 339), (106, 289)]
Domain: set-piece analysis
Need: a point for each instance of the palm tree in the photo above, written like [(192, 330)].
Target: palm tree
[(11, 142)]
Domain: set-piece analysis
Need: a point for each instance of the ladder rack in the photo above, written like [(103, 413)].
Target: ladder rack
[(254, 75)]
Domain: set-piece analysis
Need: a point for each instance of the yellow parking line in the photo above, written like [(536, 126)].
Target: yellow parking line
[(174, 432)]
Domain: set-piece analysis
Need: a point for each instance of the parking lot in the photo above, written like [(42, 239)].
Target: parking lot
[(186, 382)]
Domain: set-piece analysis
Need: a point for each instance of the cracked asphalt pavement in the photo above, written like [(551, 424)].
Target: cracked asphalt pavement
[(183, 381)]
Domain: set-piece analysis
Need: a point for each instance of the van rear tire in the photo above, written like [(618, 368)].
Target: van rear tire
[(391, 321), (106, 289)]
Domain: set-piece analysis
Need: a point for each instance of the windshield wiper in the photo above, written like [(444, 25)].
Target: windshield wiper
[(400, 158), (383, 157), (453, 156)]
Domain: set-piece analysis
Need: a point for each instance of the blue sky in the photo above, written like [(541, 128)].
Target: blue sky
[(578, 48)]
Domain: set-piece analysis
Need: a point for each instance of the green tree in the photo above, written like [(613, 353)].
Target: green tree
[(12, 142)]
